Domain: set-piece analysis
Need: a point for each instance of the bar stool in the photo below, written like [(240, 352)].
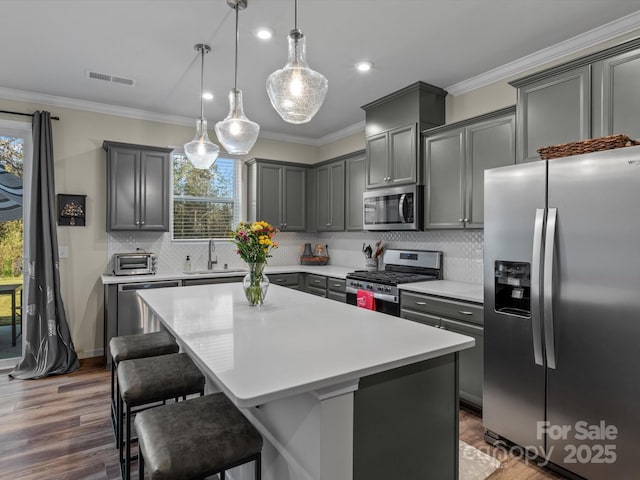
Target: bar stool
[(127, 347), (194, 439), (147, 381)]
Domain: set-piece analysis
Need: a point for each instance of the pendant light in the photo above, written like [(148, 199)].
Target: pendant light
[(200, 151), (236, 132), (296, 91)]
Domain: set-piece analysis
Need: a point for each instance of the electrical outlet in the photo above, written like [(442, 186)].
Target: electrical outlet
[(63, 251)]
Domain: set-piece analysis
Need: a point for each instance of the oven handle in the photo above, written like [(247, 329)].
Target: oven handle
[(378, 296)]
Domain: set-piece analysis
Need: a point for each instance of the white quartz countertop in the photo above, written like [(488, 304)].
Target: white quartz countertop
[(294, 343), (470, 292)]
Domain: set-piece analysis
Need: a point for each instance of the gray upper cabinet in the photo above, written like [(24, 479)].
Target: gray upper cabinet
[(456, 157), (330, 194), (138, 191), (276, 193), (616, 98), (592, 96), (554, 110), (393, 150), (355, 184)]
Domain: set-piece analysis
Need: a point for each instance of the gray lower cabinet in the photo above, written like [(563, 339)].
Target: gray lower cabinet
[(456, 157), (138, 190), (289, 280), (460, 317), (330, 195), (276, 193), (336, 289), (355, 185), (592, 96), (315, 284), (210, 281)]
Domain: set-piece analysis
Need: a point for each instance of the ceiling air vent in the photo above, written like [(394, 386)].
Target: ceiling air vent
[(110, 78)]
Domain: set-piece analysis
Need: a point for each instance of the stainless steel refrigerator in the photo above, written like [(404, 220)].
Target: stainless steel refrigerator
[(562, 311)]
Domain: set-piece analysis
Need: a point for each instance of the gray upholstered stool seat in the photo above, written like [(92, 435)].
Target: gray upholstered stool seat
[(196, 438), (148, 380), (140, 345)]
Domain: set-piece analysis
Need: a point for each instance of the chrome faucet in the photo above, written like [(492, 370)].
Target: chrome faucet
[(213, 258)]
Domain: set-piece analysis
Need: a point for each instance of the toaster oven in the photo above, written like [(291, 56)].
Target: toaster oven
[(139, 263)]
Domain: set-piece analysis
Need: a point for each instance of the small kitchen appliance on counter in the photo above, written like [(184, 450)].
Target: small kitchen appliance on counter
[(401, 266), (138, 263)]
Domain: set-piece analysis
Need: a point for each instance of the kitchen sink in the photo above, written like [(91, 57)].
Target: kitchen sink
[(204, 272)]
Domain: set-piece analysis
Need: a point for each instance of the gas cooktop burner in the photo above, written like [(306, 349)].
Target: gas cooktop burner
[(390, 277)]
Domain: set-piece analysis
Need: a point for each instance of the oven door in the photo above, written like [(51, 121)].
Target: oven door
[(392, 208), (384, 303)]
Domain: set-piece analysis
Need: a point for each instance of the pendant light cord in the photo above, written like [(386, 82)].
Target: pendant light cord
[(296, 15), (202, 48), (235, 80)]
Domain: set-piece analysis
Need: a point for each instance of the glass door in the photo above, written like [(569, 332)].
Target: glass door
[(15, 149)]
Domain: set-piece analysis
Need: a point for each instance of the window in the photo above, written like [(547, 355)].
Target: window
[(206, 203)]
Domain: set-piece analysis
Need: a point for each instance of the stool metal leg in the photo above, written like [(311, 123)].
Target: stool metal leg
[(140, 466), (127, 465), (258, 466)]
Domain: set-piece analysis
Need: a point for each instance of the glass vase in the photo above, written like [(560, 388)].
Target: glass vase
[(255, 284)]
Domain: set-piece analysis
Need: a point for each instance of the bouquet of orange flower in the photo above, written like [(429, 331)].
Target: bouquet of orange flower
[(254, 241)]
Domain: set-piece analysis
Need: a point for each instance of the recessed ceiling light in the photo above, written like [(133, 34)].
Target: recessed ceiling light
[(364, 66), (264, 33), (207, 96)]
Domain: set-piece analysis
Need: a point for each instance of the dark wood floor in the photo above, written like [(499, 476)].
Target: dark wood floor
[(59, 428)]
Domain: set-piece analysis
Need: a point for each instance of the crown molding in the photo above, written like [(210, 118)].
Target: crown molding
[(343, 133), (593, 37)]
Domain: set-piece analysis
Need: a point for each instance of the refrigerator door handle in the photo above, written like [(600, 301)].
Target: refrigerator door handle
[(536, 264), (549, 251)]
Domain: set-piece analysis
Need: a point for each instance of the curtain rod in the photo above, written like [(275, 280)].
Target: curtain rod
[(24, 114)]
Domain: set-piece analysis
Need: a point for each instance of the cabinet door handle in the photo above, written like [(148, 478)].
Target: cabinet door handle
[(465, 312), (421, 303), (336, 285), (285, 225), (280, 280), (316, 281), (466, 219), (461, 219)]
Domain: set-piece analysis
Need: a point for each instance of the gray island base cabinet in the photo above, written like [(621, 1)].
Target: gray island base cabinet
[(330, 402)]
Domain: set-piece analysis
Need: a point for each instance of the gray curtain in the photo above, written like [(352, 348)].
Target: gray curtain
[(48, 346)]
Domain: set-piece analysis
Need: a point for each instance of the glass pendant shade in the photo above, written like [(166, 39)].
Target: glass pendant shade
[(200, 151), (236, 132), (296, 91)]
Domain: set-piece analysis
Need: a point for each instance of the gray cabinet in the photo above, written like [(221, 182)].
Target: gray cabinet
[(553, 110), (460, 317), (393, 150), (289, 280), (456, 157), (276, 193), (392, 157), (337, 289), (315, 284), (330, 194), (210, 280), (592, 96), (355, 185), (617, 103), (138, 190)]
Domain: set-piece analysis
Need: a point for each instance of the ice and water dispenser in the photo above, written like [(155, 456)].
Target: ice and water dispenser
[(513, 288)]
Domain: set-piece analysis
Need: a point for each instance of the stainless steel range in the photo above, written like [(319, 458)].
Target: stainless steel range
[(401, 266)]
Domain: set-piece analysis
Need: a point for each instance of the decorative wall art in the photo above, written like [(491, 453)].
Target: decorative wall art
[(72, 210)]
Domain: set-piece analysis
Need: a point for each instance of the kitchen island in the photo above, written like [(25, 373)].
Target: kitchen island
[(338, 392)]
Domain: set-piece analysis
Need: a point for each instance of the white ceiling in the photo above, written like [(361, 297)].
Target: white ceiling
[(48, 45)]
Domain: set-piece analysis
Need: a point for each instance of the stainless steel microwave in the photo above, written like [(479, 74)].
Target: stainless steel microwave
[(397, 208), (138, 263)]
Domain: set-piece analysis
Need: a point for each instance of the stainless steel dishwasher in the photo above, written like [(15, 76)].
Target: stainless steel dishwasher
[(129, 312)]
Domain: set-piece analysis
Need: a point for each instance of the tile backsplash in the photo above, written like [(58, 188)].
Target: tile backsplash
[(462, 249)]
